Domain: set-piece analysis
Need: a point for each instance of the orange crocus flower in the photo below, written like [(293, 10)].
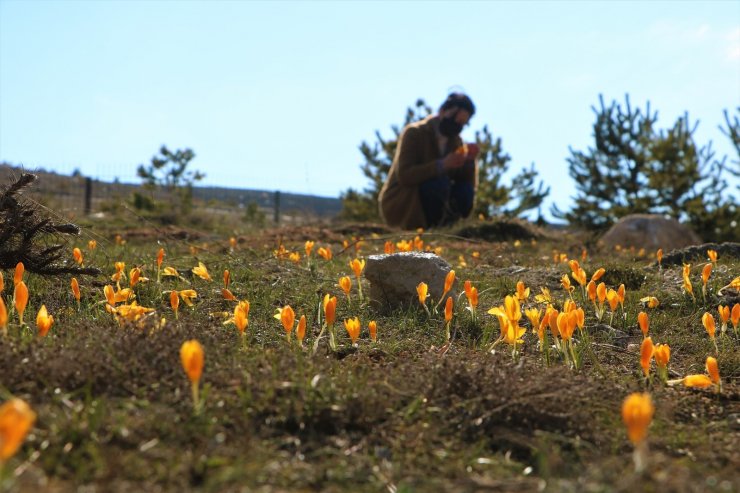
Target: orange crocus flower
[(735, 316), (110, 296), (77, 254), (134, 277), (18, 275), (227, 278), (662, 355), (598, 274), (449, 280), (188, 295), (16, 419), (330, 308), (449, 304), (75, 290), (601, 292), (637, 414), (613, 298), (174, 302), (713, 370), (522, 293), (353, 329), (3, 317), (227, 295), (389, 248), (580, 318), (325, 253), (580, 276), (533, 314), (650, 301), (21, 299), (241, 316), (724, 316), (565, 282), (308, 246), (202, 271), (512, 332), (712, 254), (372, 327), (644, 322), (300, 331), (697, 381), (192, 358), (591, 291), (686, 280), (659, 256), (92, 245), (120, 266), (467, 285), (566, 325), (552, 322), (646, 354), (160, 259), (708, 321), (357, 266), (569, 305), (44, 321), (287, 318), (422, 290), (346, 284), (473, 298)]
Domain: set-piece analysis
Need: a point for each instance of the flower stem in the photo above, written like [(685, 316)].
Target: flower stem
[(196, 397)]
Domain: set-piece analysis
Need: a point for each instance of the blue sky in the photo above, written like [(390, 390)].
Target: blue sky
[(278, 95)]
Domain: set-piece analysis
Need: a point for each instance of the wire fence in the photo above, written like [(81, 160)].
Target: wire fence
[(77, 196)]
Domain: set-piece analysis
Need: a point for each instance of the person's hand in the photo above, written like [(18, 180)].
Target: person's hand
[(453, 160)]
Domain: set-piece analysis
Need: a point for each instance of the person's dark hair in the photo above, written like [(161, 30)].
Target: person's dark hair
[(458, 100)]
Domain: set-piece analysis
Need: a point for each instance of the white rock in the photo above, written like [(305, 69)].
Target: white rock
[(393, 278)]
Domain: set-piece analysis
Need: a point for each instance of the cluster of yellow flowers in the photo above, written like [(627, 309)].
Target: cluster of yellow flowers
[(44, 321)]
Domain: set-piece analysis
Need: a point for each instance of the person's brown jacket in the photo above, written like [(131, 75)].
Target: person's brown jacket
[(415, 162)]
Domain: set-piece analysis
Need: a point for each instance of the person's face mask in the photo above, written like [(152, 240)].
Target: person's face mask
[(449, 127)]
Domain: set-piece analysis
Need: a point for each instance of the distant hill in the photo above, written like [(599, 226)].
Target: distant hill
[(71, 189), (321, 206)]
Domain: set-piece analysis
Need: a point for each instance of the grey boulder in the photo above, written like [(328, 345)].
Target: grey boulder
[(394, 278)]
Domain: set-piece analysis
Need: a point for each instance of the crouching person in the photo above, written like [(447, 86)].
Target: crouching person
[(433, 176)]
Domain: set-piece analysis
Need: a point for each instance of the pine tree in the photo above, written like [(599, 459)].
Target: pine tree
[(637, 168), (492, 195), (733, 133), (169, 171)]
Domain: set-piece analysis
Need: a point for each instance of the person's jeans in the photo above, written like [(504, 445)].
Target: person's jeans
[(445, 201)]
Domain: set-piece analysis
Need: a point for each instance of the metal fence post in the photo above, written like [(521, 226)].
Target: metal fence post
[(88, 195), (277, 207)]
